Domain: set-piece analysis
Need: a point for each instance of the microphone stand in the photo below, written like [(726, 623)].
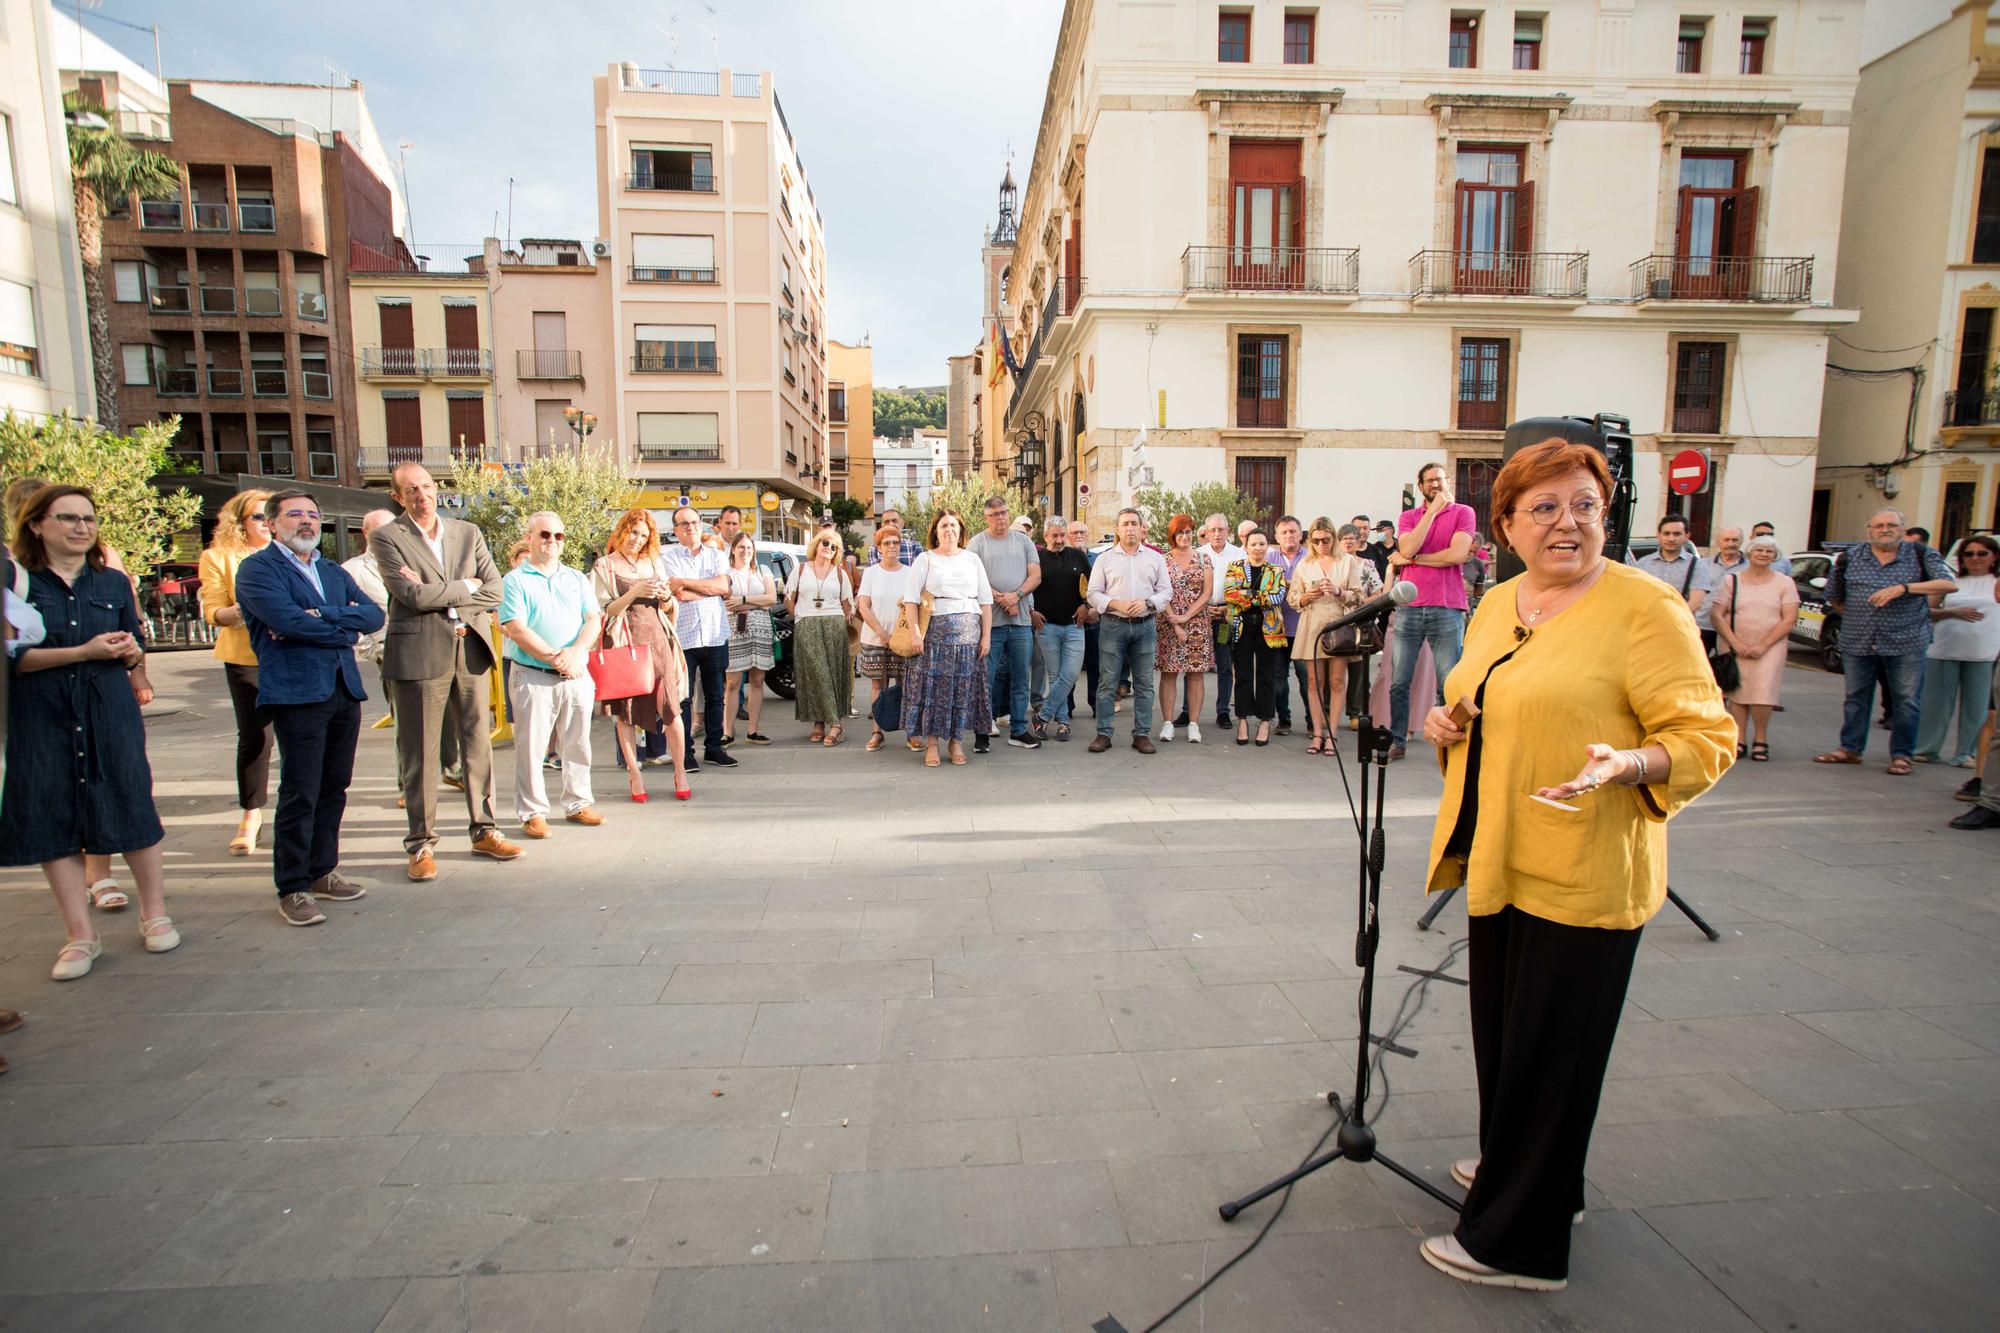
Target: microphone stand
[(1356, 1139)]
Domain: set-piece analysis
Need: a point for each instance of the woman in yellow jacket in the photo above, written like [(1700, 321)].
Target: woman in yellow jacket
[(1578, 660), (240, 529)]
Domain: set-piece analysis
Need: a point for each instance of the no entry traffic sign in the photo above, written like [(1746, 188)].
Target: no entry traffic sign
[(1688, 472)]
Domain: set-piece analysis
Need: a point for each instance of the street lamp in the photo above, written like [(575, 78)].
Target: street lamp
[(1029, 455), (581, 422)]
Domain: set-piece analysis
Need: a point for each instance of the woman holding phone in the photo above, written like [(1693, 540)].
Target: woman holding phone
[(1577, 660)]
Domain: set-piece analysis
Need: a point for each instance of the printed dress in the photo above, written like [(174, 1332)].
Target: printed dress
[(1193, 651)]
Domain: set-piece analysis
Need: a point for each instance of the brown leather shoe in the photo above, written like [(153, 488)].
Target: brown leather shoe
[(10, 1019), (337, 888), (1100, 745), (588, 817), (1143, 744), (536, 827), (423, 866), (497, 847)]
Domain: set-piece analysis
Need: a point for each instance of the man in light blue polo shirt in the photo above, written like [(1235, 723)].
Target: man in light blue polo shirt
[(549, 616)]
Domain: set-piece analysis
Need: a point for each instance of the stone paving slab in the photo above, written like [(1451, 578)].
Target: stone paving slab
[(979, 1047)]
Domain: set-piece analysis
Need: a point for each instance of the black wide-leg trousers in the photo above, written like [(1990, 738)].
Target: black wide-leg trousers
[(1545, 1002)]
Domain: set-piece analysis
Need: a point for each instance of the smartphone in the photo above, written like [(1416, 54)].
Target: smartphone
[(1560, 805)]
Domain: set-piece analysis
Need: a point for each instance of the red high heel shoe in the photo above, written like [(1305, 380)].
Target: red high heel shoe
[(638, 797), (683, 794)]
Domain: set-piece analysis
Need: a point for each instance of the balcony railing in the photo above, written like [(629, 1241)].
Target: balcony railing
[(269, 382), (1061, 302), (688, 82), (690, 357), (679, 453), (170, 301), (1562, 275), (457, 362), (218, 300), (1971, 409), (378, 461), (178, 382), (225, 381), (268, 302), (397, 363), (746, 85), (684, 182), (536, 363), (312, 305), (641, 273), (258, 216), (1776, 280), (316, 383), (1237, 268), (211, 217), (160, 214)]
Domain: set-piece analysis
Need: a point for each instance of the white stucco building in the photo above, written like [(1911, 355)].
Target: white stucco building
[(1306, 249), (911, 466)]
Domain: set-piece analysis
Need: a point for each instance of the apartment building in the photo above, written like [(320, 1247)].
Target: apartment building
[(907, 470), (45, 363), (1913, 389), (850, 419), (554, 359), (424, 369), (1307, 248), (229, 303), (718, 293)]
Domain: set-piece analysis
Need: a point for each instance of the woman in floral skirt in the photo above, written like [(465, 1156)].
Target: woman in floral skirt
[(944, 687)]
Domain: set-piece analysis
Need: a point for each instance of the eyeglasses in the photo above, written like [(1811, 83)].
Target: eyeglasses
[(687, 523), (76, 520), (554, 536), (1587, 509), (299, 513)]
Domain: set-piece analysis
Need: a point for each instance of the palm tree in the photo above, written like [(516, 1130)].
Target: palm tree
[(104, 166)]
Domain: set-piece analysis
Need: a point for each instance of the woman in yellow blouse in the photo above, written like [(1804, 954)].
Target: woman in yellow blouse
[(1578, 660), (240, 529)]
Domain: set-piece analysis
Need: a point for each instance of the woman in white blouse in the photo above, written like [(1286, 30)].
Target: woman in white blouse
[(820, 599), (944, 687)]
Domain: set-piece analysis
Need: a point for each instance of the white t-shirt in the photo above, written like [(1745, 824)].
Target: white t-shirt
[(1969, 640), (817, 596), (884, 589), (1219, 562), (956, 583)]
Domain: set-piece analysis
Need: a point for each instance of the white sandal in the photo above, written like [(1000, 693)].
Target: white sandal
[(69, 969), (106, 896), (164, 942)]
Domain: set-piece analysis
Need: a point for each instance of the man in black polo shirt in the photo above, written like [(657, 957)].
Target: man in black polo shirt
[(1058, 632)]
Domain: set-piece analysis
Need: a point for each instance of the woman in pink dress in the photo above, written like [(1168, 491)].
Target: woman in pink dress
[(1755, 609)]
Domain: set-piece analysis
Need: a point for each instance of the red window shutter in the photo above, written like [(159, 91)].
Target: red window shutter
[(461, 326), (1524, 217), (404, 419), (1743, 236), (468, 423), (397, 329), (1264, 161), (1684, 210)]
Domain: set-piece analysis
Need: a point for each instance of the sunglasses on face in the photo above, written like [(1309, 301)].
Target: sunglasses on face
[(554, 536)]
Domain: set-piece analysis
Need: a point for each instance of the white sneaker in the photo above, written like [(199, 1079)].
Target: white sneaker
[(1167, 732), (1445, 1254), (1194, 733)]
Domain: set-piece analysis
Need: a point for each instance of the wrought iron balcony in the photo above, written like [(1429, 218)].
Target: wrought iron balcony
[(1062, 301), (536, 363), (679, 453), (679, 182), (1239, 268), (393, 363), (644, 273), (459, 362), (379, 461), (695, 358), (1776, 280), (1971, 409), (1553, 274)]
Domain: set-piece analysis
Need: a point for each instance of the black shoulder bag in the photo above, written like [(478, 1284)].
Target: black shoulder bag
[(1722, 658)]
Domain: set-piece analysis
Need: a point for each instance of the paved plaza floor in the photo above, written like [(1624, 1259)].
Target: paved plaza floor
[(850, 1044)]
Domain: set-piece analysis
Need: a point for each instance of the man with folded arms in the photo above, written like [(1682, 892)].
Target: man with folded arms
[(549, 617)]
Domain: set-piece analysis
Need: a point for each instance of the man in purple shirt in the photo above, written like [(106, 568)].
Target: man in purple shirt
[(1286, 556), (1433, 541)]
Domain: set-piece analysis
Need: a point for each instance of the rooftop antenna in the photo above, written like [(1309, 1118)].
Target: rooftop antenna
[(510, 212), (715, 42)]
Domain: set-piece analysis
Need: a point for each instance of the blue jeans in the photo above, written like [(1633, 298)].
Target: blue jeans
[(1062, 658), (1285, 693), (1013, 645), (1949, 685), (1126, 645), (1443, 628), (1901, 675)]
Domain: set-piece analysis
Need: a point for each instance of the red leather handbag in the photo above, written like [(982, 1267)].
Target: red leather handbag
[(622, 670)]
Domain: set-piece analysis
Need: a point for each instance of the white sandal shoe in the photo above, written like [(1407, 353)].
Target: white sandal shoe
[(106, 896), (68, 968), (164, 942)]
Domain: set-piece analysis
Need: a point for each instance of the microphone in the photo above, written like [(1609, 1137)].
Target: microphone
[(1402, 594)]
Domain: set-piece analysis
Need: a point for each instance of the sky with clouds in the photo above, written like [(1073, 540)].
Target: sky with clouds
[(904, 111)]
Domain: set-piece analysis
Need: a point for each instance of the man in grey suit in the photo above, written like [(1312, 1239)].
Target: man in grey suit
[(442, 586)]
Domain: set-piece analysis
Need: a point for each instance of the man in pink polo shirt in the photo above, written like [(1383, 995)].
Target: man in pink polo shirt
[(1433, 541)]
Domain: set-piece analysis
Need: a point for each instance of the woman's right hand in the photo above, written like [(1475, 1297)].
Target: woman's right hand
[(1440, 730), (105, 647)]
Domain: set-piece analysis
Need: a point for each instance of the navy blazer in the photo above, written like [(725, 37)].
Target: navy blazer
[(304, 641)]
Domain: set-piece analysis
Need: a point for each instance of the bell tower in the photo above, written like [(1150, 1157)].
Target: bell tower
[(997, 255)]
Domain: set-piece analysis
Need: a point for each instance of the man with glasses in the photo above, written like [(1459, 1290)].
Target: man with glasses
[(549, 617), (305, 614), (1882, 591), (443, 586), (1434, 540), (698, 578), (1014, 568), (1220, 553), (907, 550)]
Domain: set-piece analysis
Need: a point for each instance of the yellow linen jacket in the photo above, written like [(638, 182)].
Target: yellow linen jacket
[(218, 589), (1623, 665)]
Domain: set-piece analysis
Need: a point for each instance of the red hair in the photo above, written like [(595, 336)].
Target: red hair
[(627, 521), (1537, 465), (1176, 525)]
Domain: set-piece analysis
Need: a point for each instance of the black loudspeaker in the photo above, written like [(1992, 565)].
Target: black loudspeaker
[(1610, 436)]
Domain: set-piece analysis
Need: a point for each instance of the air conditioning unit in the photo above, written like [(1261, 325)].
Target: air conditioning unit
[(601, 248)]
